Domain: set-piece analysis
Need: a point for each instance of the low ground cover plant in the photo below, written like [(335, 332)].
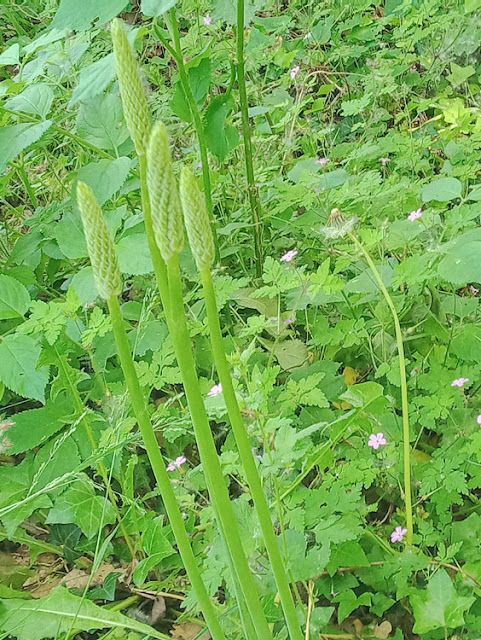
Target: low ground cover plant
[(239, 320)]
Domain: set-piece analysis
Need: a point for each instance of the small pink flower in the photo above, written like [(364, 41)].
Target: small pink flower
[(289, 255), (207, 20), (177, 463), (4, 426), (294, 72), (478, 420), (376, 440), (414, 215), (384, 161), (322, 161), (398, 534), (288, 321), (459, 382), (215, 391)]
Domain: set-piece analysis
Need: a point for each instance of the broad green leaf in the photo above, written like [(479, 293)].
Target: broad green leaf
[(16, 138), (84, 284), (10, 56), (439, 606), (18, 361), (459, 74), (70, 237), (58, 613), (101, 122), (105, 177), (291, 354), (36, 99), (14, 298), (78, 16), (365, 394), (82, 506), (34, 427), (94, 79), (442, 190), (348, 602), (134, 255), (156, 7), (199, 78), (226, 10), (462, 263), (221, 138)]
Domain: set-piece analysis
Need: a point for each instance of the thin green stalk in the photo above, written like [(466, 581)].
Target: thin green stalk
[(210, 460), (199, 127), (254, 200), (247, 459), (158, 467), (24, 177), (404, 391)]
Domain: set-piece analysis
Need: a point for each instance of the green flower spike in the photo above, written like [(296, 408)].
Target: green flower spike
[(103, 255), (134, 100), (164, 197), (197, 221)]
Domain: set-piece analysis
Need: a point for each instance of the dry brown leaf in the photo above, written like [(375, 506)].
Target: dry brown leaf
[(358, 626), (188, 631), (382, 631)]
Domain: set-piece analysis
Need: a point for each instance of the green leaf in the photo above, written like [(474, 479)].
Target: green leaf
[(80, 504), (36, 99), (94, 79), (226, 10), (349, 602), (18, 361), (78, 16), (461, 263), (55, 614), (356, 106), (156, 7), (459, 74), (134, 255), (199, 78), (105, 177), (34, 427), (439, 606), (365, 394), (10, 56), (16, 138), (14, 298), (101, 122), (221, 138), (442, 190), (291, 354)]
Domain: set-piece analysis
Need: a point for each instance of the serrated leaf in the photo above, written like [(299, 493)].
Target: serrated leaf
[(439, 606), (442, 190), (18, 361), (16, 138), (101, 122), (36, 99), (78, 16), (14, 298), (156, 7), (32, 428), (60, 611), (82, 506), (105, 177), (94, 79)]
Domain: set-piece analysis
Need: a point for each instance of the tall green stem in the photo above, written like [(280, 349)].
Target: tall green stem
[(247, 459), (160, 472), (404, 391), (199, 127), (254, 201), (210, 460)]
